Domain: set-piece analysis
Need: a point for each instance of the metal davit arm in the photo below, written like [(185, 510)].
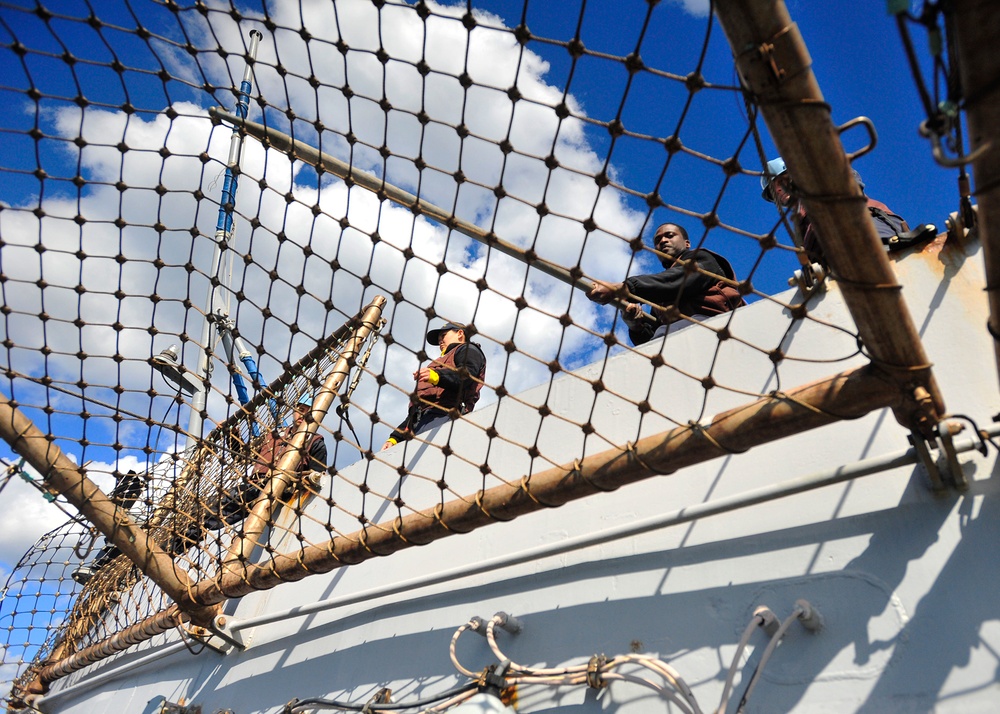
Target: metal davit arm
[(236, 562), (775, 68)]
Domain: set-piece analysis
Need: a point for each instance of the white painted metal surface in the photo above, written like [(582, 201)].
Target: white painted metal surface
[(905, 580)]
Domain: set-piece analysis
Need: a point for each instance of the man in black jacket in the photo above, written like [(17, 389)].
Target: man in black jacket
[(678, 293), (452, 381)]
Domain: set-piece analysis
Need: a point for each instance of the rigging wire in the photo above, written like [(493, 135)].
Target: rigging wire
[(343, 408), (944, 120)]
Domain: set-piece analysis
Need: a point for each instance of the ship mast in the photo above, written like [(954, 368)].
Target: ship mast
[(223, 236)]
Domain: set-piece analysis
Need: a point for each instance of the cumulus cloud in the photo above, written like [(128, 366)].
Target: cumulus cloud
[(101, 278), (126, 264)]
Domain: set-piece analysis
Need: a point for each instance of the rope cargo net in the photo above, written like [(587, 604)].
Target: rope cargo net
[(116, 173)]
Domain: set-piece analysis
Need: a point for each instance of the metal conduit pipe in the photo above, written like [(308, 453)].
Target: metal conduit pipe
[(791, 487)]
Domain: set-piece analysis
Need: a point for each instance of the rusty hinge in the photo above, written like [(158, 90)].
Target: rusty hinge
[(776, 60)]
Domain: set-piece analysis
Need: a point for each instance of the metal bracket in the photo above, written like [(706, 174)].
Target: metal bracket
[(940, 458), (946, 433), (809, 279), (776, 60), (872, 135), (784, 54), (160, 705), (220, 636)]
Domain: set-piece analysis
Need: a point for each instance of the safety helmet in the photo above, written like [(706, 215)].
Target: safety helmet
[(305, 399), (775, 167)]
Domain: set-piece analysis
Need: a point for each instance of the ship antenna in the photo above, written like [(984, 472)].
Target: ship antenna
[(223, 235)]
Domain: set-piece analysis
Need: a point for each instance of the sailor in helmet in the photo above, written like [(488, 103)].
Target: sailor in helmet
[(777, 187), (276, 443), (234, 506)]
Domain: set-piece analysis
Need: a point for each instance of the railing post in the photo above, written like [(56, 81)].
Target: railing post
[(775, 68)]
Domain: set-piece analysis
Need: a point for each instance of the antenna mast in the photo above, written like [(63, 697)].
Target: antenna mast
[(223, 236)]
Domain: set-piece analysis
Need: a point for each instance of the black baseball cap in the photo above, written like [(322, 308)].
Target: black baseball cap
[(434, 335)]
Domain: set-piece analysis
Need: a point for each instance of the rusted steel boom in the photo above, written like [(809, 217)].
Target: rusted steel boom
[(844, 396), (139, 632), (270, 136), (977, 27), (776, 69), (260, 514)]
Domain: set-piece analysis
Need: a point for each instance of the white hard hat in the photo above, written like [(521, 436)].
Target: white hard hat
[(775, 167)]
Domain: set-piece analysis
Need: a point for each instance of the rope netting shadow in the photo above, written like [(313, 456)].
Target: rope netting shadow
[(399, 167)]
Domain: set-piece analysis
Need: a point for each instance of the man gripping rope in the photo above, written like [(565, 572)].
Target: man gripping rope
[(677, 294)]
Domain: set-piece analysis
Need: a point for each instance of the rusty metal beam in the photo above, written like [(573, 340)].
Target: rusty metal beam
[(269, 136), (775, 67), (977, 29), (65, 478), (142, 631), (844, 396), (847, 395)]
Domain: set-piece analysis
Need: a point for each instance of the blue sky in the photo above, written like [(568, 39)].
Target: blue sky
[(857, 57)]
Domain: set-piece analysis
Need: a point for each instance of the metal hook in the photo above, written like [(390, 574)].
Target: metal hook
[(872, 135), (938, 152)]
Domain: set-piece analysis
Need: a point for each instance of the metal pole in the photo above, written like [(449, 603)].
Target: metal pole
[(844, 396), (775, 68), (223, 234), (238, 383), (106, 675), (270, 136), (130, 636), (977, 29)]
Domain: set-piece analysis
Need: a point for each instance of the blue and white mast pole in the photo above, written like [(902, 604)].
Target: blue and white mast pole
[(223, 235)]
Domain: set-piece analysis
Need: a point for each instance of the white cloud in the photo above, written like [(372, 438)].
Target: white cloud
[(698, 8), (159, 227)]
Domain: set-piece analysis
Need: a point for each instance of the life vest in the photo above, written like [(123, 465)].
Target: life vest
[(273, 447), (887, 225), (437, 396)]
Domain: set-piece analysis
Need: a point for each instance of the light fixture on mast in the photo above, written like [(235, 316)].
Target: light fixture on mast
[(167, 364)]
